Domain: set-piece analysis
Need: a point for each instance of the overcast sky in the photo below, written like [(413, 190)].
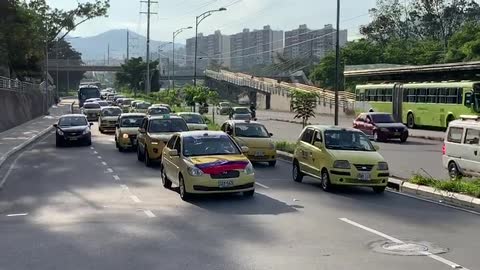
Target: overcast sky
[(253, 14)]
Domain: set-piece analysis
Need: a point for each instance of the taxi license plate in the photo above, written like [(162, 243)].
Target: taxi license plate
[(397, 133), (259, 154), (364, 176), (72, 139), (225, 183)]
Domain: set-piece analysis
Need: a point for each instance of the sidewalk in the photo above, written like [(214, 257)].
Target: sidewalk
[(343, 121), (16, 138)]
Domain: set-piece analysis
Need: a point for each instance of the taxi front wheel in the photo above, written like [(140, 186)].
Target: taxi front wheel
[(182, 189), (147, 159), (165, 181), (296, 172)]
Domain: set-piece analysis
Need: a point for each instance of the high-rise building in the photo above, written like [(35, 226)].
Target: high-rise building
[(257, 47), (306, 43), (202, 52), (211, 48)]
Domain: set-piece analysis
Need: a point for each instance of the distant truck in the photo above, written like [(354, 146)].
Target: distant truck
[(87, 91)]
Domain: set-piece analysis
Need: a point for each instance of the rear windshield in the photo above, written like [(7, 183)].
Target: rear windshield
[(193, 118), (126, 102), (102, 103), (143, 105), (241, 110), (167, 125), (91, 106), (111, 112), (382, 118), (158, 110)]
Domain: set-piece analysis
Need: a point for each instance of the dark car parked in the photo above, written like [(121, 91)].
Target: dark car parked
[(381, 126), (73, 128)]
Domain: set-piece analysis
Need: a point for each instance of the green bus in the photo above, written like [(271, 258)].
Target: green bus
[(432, 104)]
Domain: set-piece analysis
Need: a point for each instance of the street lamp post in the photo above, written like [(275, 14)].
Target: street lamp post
[(337, 63), (175, 33), (160, 58), (198, 20)]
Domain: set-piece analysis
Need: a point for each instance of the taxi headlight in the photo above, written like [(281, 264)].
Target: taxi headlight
[(60, 132), (155, 143), (194, 171), (249, 169), (125, 136), (382, 166), (341, 164)]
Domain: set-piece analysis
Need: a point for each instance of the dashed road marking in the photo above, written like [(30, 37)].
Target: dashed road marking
[(124, 187), (116, 178), (17, 215), (95, 152), (393, 239), (135, 199), (149, 213), (92, 148), (99, 157), (109, 170), (104, 163), (261, 185)]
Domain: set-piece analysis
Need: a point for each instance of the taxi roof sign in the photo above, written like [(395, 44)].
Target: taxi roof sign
[(470, 117)]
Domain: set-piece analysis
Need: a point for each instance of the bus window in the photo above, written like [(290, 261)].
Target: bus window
[(388, 94), (412, 97), (460, 96), (432, 95), (442, 95), (421, 95), (452, 95), (372, 94)]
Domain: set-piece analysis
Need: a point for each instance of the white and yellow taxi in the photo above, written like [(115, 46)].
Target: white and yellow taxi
[(203, 162), (255, 136), (194, 121)]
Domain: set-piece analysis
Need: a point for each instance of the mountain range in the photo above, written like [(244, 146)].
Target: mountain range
[(96, 47)]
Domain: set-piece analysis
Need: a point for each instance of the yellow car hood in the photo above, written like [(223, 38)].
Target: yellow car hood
[(197, 126), (129, 130), (162, 137), (255, 142), (357, 157), (109, 118), (212, 159)]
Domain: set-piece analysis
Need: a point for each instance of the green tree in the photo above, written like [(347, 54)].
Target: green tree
[(133, 74), (303, 104), (65, 52), (465, 44)]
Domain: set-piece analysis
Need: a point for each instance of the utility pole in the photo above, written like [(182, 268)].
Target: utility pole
[(108, 54), (128, 45), (56, 63), (46, 72), (147, 78), (337, 63)]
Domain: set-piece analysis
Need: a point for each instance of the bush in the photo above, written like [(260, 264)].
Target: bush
[(468, 187), (286, 146)]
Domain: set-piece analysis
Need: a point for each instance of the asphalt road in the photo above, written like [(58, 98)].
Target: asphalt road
[(416, 156), (96, 208)]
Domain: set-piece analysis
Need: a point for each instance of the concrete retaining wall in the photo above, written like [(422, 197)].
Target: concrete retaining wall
[(19, 107)]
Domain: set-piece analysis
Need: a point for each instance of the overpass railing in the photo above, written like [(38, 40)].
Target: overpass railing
[(16, 85), (275, 87)]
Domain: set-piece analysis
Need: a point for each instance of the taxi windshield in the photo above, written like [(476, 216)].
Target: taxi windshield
[(167, 125), (347, 140), (72, 121), (193, 118), (142, 105), (158, 110), (131, 121), (208, 146), (251, 131), (111, 112)]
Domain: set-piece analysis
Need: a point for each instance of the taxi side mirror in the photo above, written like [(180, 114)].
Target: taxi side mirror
[(141, 130), (318, 144), (117, 125), (173, 153), (244, 149), (270, 134), (55, 125), (91, 124), (376, 146)]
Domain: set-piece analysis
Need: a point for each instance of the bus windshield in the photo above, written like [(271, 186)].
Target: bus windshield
[(476, 98), (88, 92)]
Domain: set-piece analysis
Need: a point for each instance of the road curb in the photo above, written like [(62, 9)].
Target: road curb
[(423, 192), (26, 143)]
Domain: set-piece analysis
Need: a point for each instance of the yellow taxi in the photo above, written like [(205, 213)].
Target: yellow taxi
[(194, 121), (204, 162), (154, 133), (126, 130), (255, 136)]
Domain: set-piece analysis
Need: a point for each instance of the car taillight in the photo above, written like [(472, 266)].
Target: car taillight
[(444, 149)]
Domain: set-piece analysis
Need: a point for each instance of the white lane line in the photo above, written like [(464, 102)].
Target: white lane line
[(149, 213), (124, 187), (109, 170), (135, 199), (116, 178), (95, 152), (99, 157), (92, 148), (17, 215), (104, 163), (393, 239), (261, 185)]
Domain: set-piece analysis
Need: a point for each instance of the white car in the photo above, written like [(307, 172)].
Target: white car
[(461, 148)]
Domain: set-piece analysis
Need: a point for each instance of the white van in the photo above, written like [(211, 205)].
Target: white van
[(461, 148)]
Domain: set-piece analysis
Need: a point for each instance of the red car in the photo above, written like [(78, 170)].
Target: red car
[(381, 126)]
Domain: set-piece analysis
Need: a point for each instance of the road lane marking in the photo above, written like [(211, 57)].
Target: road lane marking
[(99, 157), (116, 178), (393, 239), (135, 199), (95, 152), (104, 163), (124, 187), (262, 185), (149, 213), (109, 170), (17, 215), (92, 148)]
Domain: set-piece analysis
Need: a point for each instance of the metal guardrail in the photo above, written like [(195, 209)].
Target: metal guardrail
[(16, 85)]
